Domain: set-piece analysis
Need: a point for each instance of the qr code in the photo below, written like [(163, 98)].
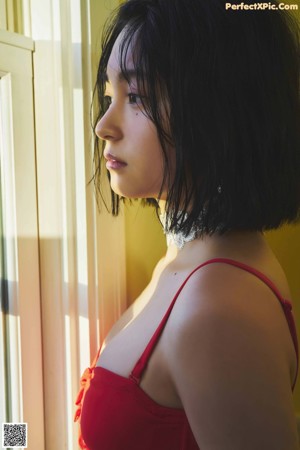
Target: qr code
[(14, 435)]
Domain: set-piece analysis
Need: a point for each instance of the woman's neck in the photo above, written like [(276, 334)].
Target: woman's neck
[(238, 245), (232, 244)]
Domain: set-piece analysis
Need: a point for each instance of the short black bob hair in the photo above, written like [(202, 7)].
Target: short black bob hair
[(231, 82)]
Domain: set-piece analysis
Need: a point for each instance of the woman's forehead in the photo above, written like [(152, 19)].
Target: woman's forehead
[(114, 70)]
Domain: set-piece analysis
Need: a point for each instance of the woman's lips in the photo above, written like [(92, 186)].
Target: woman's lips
[(113, 162)]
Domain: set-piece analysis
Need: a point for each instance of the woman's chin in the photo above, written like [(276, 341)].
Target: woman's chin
[(132, 193)]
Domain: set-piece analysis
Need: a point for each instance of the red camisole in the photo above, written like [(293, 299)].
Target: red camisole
[(116, 414)]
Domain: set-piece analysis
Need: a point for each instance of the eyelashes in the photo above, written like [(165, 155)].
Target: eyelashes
[(133, 99)]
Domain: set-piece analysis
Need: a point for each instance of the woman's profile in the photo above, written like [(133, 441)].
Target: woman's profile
[(199, 115)]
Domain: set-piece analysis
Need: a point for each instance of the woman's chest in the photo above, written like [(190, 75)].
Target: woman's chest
[(149, 318), (122, 350)]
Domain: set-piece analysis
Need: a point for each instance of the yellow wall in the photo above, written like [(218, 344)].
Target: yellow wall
[(293, 273), (145, 244), (285, 243)]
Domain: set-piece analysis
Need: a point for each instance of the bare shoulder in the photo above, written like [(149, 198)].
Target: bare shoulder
[(230, 359)]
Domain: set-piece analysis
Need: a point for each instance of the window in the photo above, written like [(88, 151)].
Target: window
[(20, 333), (69, 260)]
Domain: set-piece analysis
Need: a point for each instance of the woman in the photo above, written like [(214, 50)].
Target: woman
[(200, 115)]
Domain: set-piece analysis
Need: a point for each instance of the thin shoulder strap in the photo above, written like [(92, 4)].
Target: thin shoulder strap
[(141, 364)]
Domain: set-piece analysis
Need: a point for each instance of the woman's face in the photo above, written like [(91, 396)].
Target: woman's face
[(133, 150)]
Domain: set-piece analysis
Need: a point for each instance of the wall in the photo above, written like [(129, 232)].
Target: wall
[(285, 243), (145, 245)]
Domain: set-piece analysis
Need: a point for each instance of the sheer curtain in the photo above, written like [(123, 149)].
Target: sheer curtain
[(75, 265)]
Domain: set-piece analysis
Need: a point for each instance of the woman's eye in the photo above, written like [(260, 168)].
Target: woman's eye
[(135, 99)]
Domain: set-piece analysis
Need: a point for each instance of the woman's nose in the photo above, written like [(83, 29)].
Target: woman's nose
[(108, 129)]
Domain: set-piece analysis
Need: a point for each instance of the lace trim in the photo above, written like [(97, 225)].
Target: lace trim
[(178, 238)]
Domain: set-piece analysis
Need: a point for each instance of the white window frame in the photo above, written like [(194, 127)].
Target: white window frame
[(18, 182), (81, 279)]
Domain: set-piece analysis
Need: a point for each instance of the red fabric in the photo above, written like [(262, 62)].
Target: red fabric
[(116, 414)]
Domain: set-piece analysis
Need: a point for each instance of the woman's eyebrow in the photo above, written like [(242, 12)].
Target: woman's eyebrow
[(128, 76)]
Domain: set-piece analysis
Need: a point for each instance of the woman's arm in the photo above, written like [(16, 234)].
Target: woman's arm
[(231, 364)]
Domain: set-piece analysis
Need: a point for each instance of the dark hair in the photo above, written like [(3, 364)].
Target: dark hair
[(231, 83)]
